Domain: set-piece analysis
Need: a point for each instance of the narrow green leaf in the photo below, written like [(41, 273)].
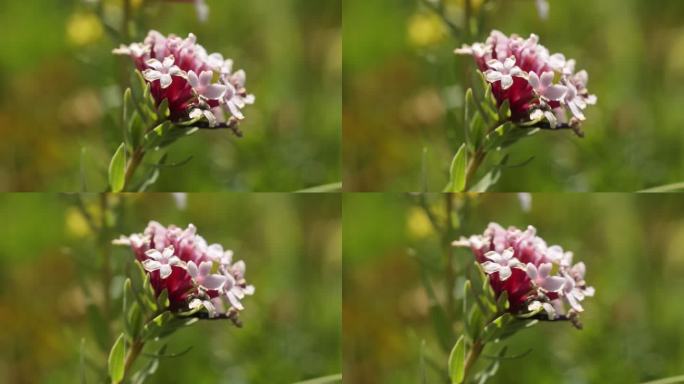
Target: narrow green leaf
[(163, 300), (457, 362), (163, 111), (502, 302), (128, 108), (676, 187), (116, 359), (325, 188), (457, 172), (468, 110), (505, 111), (323, 380), (117, 169)]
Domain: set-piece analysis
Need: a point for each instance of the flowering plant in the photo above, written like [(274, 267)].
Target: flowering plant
[(522, 88), (518, 281), (177, 88), (181, 279)]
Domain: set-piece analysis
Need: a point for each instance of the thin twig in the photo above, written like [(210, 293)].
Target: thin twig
[(440, 10)]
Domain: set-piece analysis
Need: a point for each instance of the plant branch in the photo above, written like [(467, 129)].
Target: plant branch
[(231, 125), (132, 355), (471, 358), (132, 165), (439, 8), (447, 237), (473, 165)]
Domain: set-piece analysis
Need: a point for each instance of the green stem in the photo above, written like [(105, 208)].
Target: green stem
[(132, 355), (467, 14), (473, 166), (471, 358), (132, 165), (448, 237), (125, 20), (105, 249)]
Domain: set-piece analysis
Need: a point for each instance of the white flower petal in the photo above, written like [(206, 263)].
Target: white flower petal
[(165, 271), (213, 281), (553, 283), (493, 76), (214, 91), (506, 81), (205, 268), (493, 256), (151, 265), (490, 267), (192, 269), (151, 75), (555, 92), (505, 273), (495, 64), (533, 79), (165, 80)]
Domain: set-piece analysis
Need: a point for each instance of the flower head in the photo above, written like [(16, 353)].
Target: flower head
[(160, 261), (196, 84), (197, 276), (538, 85), (536, 277)]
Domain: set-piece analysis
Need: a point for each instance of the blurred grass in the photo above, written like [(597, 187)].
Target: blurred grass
[(60, 95), (291, 244), (403, 91), (632, 246)]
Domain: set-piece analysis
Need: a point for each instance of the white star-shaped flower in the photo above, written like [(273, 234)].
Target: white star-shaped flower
[(573, 294), (544, 86), (548, 308), (162, 261), (162, 71), (541, 277), (502, 263), (503, 72), (203, 276), (203, 86)]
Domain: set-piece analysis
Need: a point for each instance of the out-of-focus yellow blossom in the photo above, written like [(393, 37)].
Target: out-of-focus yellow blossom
[(418, 224), (425, 29), (476, 4), (84, 29), (76, 225)]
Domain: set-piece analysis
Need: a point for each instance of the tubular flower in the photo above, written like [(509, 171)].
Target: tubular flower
[(537, 278), (197, 276), (196, 84), (540, 87)]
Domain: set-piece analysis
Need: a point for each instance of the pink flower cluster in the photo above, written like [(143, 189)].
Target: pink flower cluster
[(535, 276), (195, 83), (196, 275), (540, 87)]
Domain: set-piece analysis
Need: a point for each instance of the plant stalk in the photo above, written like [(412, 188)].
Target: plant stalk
[(132, 355), (448, 236), (132, 165), (473, 166), (471, 359)]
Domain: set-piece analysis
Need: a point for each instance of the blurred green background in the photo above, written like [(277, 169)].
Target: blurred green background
[(60, 94), (291, 244), (632, 246), (403, 91)]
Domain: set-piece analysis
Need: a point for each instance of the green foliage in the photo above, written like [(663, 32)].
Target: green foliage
[(457, 171), (115, 364), (457, 362), (117, 169), (612, 233)]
